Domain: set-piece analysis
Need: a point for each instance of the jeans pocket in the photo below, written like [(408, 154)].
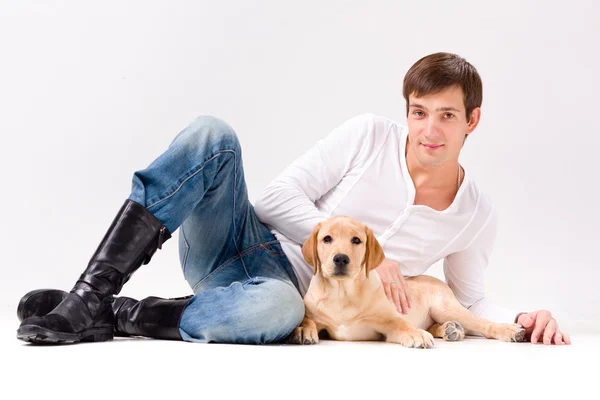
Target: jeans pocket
[(273, 247)]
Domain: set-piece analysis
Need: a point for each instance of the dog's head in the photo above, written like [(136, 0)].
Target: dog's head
[(341, 247)]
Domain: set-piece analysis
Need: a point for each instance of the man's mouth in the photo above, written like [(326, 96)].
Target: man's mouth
[(432, 146)]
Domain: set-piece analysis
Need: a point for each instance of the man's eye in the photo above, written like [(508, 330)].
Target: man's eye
[(327, 239), (418, 113), (356, 240), (448, 116)]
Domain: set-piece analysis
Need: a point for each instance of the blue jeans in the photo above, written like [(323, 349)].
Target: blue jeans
[(245, 290)]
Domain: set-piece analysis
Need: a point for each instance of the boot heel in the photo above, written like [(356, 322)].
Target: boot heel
[(102, 336)]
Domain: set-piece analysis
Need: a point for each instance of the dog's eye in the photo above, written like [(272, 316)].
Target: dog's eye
[(327, 239), (356, 240)]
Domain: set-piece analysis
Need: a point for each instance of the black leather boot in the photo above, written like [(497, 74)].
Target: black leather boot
[(39, 302), (151, 317), (85, 314)]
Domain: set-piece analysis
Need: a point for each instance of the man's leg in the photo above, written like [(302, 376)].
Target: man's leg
[(244, 284), (252, 298), (200, 175), (202, 162), (257, 311)]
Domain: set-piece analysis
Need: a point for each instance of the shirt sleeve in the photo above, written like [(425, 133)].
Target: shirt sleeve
[(288, 203), (465, 270)]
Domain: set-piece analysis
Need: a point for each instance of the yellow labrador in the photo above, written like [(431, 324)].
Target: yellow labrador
[(347, 300)]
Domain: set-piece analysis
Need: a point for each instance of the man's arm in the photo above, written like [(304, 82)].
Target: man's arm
[(288, 203), (465, 273)]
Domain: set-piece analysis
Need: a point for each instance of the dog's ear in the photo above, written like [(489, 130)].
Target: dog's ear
[(309, 248), (374, 254)]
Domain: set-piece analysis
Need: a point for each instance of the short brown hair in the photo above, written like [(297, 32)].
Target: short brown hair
[(439, 71)]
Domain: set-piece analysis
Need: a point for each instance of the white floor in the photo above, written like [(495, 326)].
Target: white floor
[(146, 368)]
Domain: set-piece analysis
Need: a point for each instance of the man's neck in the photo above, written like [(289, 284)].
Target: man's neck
[(437, 177)]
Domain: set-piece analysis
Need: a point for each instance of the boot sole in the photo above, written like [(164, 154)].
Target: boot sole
[(39, 335)]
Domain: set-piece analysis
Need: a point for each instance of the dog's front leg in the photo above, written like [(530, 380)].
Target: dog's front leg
[(397, 330), (306, 333)]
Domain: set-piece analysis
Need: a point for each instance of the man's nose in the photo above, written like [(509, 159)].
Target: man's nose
[(433, 128)]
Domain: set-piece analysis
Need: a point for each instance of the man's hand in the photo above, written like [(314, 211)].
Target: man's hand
[(540, 326), (394, 285)]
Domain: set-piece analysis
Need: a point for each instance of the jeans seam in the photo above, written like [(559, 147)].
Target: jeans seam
[(235, 172), (220, 152), (220, 267), (234, 190), (230, 261), (187, 250)]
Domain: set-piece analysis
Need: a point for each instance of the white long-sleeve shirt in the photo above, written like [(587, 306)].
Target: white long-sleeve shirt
[(360, 170)]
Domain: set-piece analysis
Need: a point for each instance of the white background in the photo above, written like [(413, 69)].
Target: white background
[(92, 91)]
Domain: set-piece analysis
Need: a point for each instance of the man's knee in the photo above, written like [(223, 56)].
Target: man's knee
[(261, 310), (286, 308), (209, 131), (276, 309)]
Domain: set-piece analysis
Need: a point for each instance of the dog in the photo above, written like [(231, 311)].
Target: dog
[(346, 301)]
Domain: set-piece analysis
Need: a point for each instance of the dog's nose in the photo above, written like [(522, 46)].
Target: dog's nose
[(341, 260)]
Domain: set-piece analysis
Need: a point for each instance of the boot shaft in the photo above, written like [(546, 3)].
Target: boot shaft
[(153, 317), (131, 240)]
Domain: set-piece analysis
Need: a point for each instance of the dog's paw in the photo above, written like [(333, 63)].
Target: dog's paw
[(417, 338), (303, 335), (510, 333), (453, 331)]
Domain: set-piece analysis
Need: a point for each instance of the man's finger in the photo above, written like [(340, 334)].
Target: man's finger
[(396, 297), (558, 338), (550, 331), (406, 294), (540, 325), (386, 289), (566, 338), (403, 301), (526, 321), (401, 286)]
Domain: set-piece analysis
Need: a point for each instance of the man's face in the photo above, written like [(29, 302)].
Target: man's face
[(437, 125)]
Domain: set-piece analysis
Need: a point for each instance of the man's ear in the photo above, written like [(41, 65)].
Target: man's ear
[(309, 249), (374, 254), (474, 119)]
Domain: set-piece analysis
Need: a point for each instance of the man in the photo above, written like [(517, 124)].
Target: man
[(244, 263)]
